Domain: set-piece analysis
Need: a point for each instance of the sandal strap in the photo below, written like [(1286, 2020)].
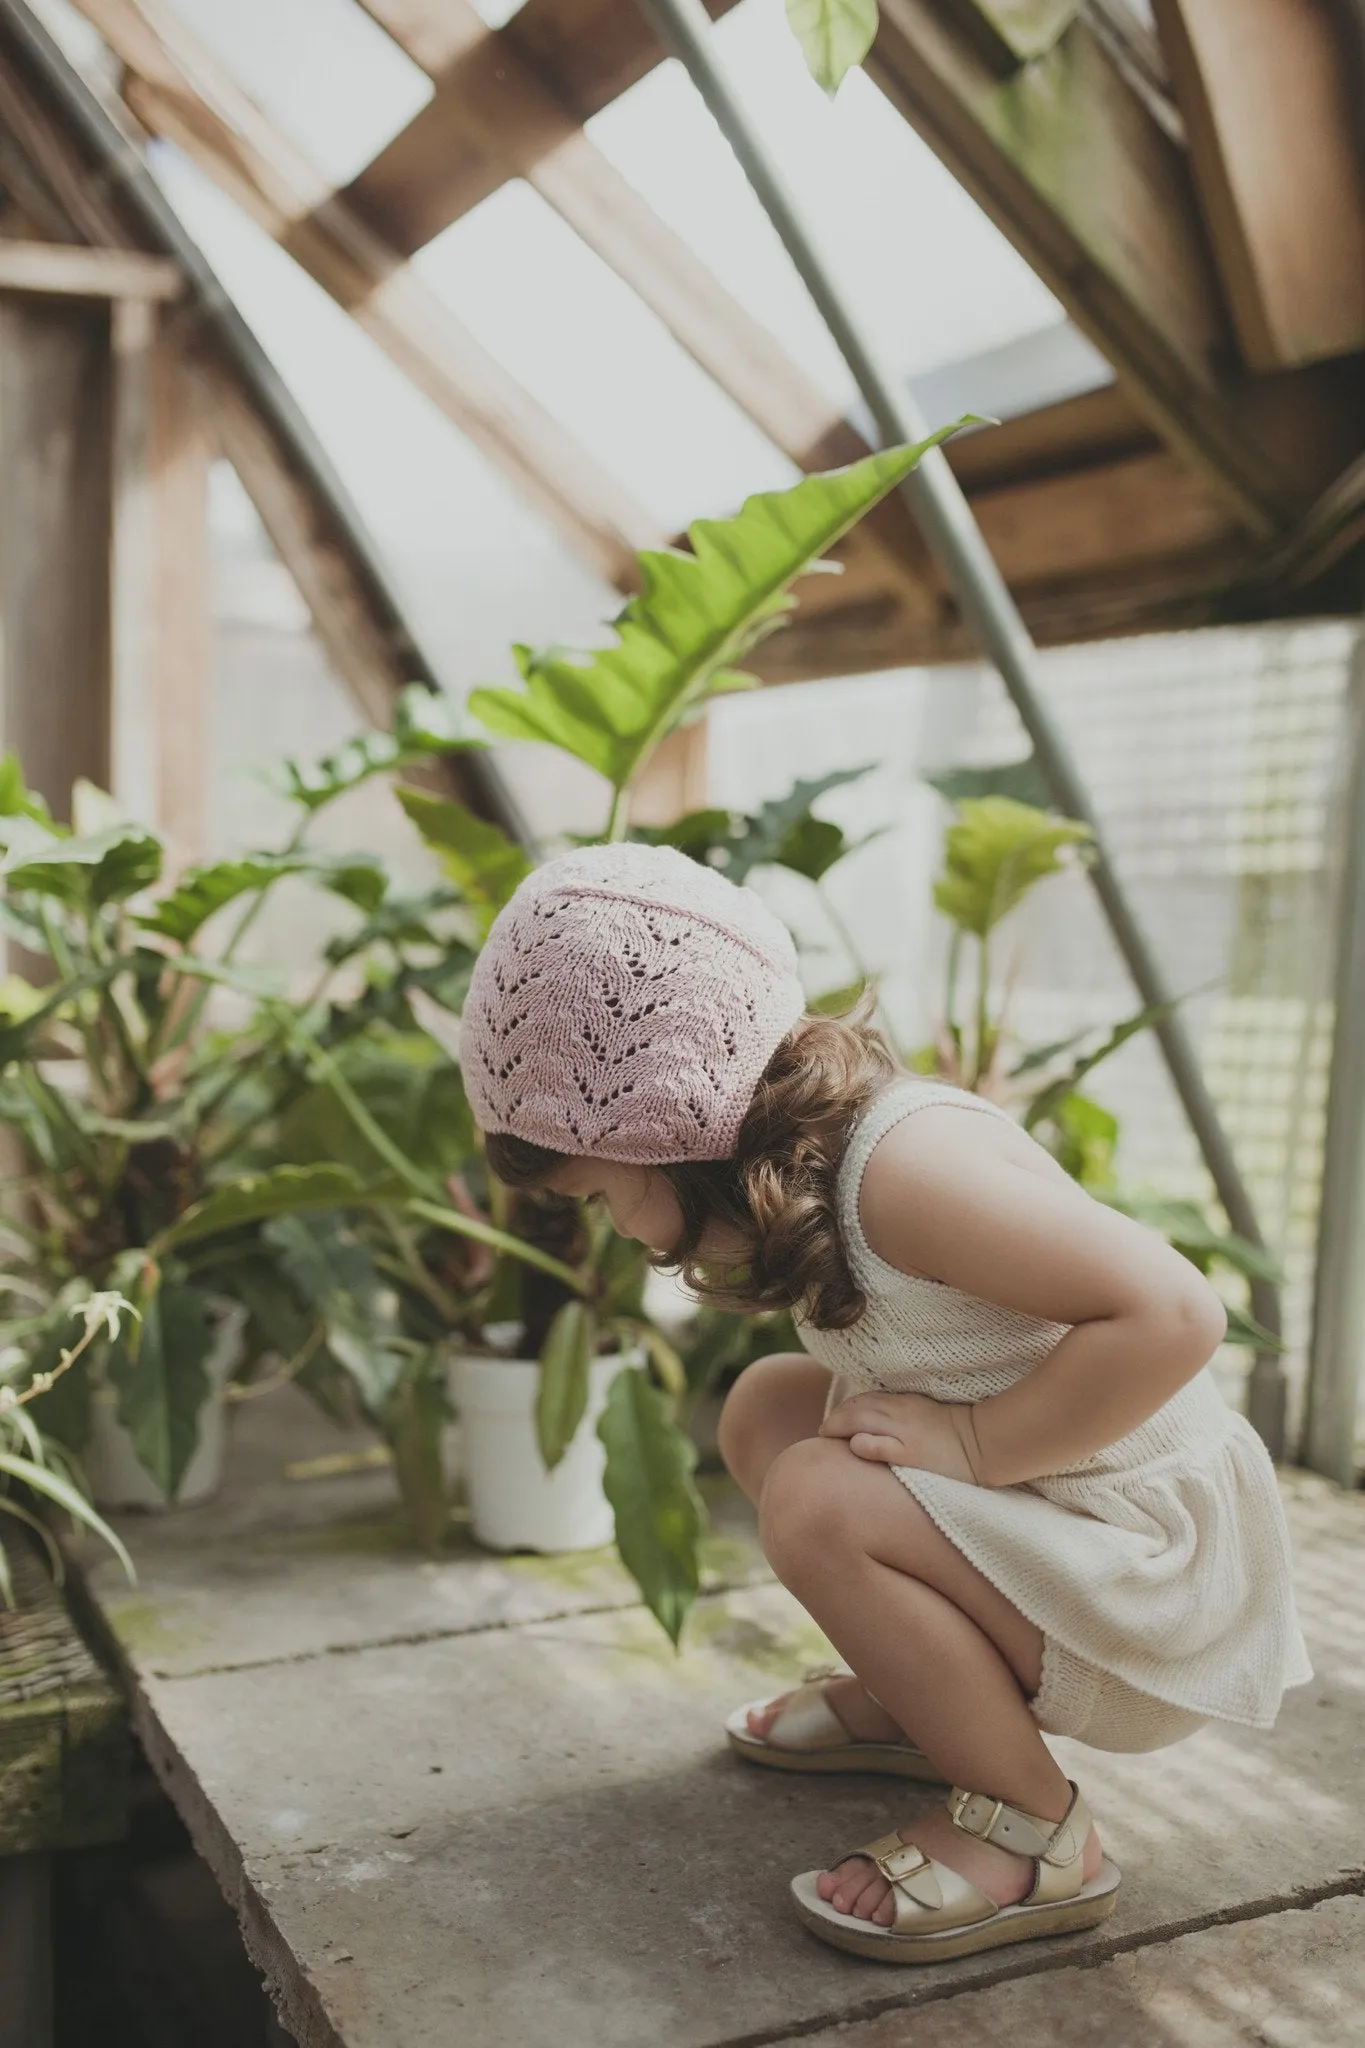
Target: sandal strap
[(808, 1722), (928, 1895), (1056, 1847)]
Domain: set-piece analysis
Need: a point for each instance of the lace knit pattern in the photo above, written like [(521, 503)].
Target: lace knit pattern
[(625, 1005), (1158, 1569)]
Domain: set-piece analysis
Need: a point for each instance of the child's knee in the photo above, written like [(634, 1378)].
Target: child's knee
[(744, 1432), (810, 1511)]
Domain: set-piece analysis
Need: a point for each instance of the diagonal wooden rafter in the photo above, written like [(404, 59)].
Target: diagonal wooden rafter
[(491, 100), (316, 532), (178, 90), (1067, 155)]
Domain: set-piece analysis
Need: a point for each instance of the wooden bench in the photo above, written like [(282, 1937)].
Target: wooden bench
[(63, 1778)]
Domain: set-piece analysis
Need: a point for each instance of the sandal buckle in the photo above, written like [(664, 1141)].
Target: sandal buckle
[(957, 1807), (901, 1862)]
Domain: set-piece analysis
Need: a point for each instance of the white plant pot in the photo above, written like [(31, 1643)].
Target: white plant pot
[(117, 1476), (514, 1503)]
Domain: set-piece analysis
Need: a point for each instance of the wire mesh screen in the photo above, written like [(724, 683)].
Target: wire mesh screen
[(1214, 762)]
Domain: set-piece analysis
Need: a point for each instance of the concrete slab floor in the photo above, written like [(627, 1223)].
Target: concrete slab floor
[(1294, 1979), (523, 1827)]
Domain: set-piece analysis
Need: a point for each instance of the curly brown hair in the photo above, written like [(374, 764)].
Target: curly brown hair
[(778, 1192)]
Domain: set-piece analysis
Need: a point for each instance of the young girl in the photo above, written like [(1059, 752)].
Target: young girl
[(1001, 1482)]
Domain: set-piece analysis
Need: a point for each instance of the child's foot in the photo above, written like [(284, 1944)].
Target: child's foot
[(846, 1699), (858, 1888)]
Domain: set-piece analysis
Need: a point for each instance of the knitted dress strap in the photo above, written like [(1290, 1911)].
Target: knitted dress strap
[(896, 1102)]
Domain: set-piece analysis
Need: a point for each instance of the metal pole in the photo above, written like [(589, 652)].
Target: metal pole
[(955, 540), (1337, 1347)]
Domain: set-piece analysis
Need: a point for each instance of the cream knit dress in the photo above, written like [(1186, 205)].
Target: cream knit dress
[(1158, 1569)]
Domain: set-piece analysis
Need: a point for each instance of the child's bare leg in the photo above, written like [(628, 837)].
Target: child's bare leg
[(775, 1403), (950, 1658)]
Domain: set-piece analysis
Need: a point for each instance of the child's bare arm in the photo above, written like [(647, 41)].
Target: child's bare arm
[(966, 1199)]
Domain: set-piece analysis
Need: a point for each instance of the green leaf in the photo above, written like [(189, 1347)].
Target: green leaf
[(425, 724), (110, 865), (1186, 1226), (481, 860), (1245, 1330), (648, 1480), (203, 891), (837, 1002), (562, 1394), (17, 800), (1086, 1139), (410, 1089), (697, 616), (1023, 781), (835, 35), (1044, 1103), (42, 1479), (783, 832), (259, 1195), (333, 1271), (158, 1367), (994, 853)]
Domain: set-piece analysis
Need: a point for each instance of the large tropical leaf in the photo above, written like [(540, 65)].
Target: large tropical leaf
[(256, 1196), (203, 891), (1186, 1226), (648, 1480), (696, 617), (562, 1394), (835, 35), (994, 853), (484, 864), (158, 1367)]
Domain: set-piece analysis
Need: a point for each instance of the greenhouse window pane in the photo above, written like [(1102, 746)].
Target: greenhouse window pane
[(322, 70), (932, 277)]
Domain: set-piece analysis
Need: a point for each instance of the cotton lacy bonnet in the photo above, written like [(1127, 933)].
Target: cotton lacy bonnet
[(625, 1005)]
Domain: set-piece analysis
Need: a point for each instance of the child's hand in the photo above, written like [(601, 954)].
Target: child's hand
[(906, 1429)]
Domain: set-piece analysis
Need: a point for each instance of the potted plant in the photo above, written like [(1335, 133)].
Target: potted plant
[(141, 1116)]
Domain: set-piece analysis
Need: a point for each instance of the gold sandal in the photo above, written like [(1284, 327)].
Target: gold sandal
[(809, 1736), (940, 1915)]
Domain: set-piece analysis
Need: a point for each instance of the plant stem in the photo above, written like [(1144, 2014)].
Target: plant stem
[(858, 964), (617, 816), (981, 1051), (485, 1233)]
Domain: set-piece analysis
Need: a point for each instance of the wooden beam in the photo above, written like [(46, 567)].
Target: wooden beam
[(67, 270), (1071, 165), (54, 586), (182, 655), (132, 564), (177, 89), (1268, 92), (489, 98)]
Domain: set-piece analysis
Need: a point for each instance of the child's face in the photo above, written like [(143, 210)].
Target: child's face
[(640, 1201)]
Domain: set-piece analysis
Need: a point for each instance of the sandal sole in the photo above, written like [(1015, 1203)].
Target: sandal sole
[(880, 1759), (1013, 1923), (872, 1759)]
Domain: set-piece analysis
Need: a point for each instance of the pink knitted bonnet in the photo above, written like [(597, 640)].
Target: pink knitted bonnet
[(624, 1007)]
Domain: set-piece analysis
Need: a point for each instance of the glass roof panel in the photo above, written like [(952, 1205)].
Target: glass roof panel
[(581, 342), (931, 275), (324, 72)]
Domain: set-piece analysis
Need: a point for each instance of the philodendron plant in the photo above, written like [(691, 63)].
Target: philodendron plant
[(1002, 842), (149, 1128), (682, 641)]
